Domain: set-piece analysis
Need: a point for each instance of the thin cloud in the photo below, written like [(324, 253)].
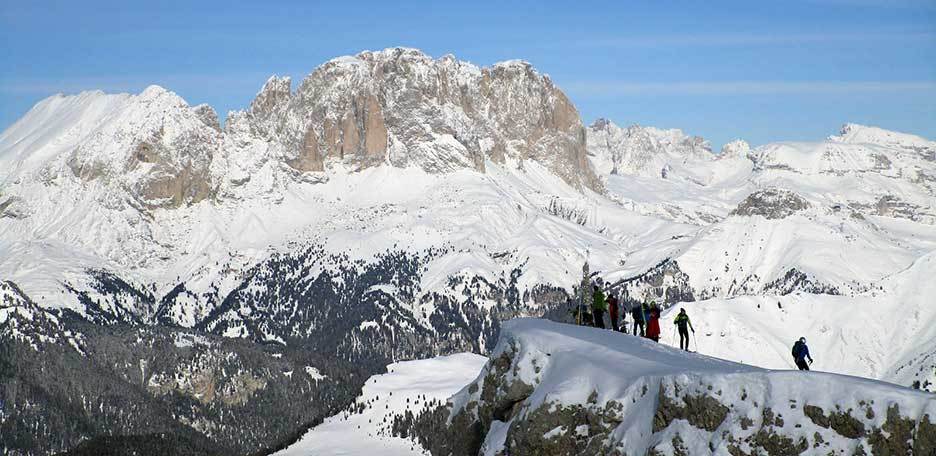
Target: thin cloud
[(132, 84), (755, 39), (622, 88), (889, 4)]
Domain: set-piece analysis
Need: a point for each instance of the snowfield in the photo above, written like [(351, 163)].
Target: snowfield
[(886, 333), (407, 385), (624, 382), (839, 216), (598, 392), (397, 206)]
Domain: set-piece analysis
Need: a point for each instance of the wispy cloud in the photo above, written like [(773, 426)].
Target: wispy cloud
[(756, 39), (43, 86), (623, 88), (889, 4)]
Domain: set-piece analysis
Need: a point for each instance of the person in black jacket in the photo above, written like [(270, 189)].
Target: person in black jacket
[(682, 322), (637, 312), (801, 353)]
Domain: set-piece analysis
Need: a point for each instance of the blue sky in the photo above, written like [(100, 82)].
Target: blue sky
[(759, 70)]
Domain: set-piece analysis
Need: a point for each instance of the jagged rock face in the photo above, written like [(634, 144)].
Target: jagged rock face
[(644, 151), (400, 106), (397, 107), (664, 284), (159, 149), (772, 203), (736, 148), (207, 115)]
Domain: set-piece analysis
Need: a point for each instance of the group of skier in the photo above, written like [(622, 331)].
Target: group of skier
[(646, 317)]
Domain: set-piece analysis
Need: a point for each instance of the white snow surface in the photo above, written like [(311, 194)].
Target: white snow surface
[(887, 333), (566, 364), (871, 214), (406, 385)]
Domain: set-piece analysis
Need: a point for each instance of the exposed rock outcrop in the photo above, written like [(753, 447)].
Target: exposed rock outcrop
[(772, 203), (159, 149), (400, 106), (643, 151), (562, 390)]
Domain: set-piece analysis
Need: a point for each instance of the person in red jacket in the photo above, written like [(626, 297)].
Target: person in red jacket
[(613, 309), (653, 324)]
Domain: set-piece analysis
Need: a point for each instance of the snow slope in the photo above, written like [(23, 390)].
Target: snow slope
[(147, 189), (407, 385), (561, 389), (886, 333), (842, 213)]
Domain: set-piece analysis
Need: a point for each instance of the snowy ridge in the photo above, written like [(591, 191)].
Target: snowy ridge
[(885, 333), (508, 218), (22, 320), (396, 206), (559, 389), (646, 151)]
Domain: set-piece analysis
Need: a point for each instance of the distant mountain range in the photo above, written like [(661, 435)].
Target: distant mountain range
[(209, 283)]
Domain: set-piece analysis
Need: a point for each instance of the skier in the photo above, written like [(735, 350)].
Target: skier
[(599, 306), (682, 322), (653, 323), (638, 314), (613, 310), (623, 311), (801, 353), (583, 316)]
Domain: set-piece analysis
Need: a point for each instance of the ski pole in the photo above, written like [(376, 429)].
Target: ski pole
[(694, 341)]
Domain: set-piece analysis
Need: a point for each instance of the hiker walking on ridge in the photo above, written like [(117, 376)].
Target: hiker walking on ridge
[(599, 305), (622, 313), (682, 322), (653, 323), (613, 308), (583, 316), (637, 312), (801, 353)]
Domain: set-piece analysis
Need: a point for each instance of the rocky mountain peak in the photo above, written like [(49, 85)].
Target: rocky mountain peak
[(913, 145), (642, 150), (151, 144), (401, 107), (154, 91), (208, 115), (736, 148), (600, 124), (273, 96)]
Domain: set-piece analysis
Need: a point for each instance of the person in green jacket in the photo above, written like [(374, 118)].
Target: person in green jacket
[(599, 306), (682, 322)]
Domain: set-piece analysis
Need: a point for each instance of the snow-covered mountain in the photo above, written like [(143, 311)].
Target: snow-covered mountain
[(885, 333), (394, 206), (550, 388)]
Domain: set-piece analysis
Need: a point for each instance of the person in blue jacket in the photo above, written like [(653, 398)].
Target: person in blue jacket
[(801, 353)]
